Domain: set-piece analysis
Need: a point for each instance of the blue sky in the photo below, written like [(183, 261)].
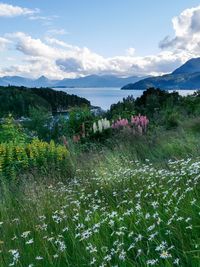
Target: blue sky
[(100, 31)]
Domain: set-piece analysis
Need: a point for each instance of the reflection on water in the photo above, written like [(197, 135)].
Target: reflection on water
[(105, 97)]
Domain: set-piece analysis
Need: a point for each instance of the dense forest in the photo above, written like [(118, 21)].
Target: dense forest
[(20, 100)]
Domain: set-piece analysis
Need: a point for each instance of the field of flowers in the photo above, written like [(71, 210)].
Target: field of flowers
[(122, 214)]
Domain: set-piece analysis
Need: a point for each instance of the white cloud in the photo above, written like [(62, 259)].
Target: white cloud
[(53, 32), (187, 33), (57, 59), (7, 10), (30, 46), (3, 43)]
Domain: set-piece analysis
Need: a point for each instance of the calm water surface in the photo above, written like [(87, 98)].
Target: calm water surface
[(105, 97)]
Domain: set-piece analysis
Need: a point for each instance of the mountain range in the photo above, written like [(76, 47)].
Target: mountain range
[(87, 81), (186, 76)]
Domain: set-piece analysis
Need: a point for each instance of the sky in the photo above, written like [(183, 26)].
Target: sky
[(73, 38)]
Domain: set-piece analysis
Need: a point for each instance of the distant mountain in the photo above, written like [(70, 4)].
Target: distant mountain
[(87, 81), (27, 82), (169, 81), (43, 82), (15, 80), (191, 66), (98, 81), (185, 77)]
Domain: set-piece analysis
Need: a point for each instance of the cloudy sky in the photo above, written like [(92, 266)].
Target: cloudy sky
[(71, 38)]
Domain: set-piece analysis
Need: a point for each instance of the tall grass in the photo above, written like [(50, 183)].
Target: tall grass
[(126, 205), (124, 213)]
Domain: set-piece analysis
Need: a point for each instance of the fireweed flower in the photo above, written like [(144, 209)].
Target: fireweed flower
[(120, 123), (140, 122)]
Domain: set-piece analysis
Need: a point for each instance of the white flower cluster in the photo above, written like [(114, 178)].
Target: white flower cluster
[(101, 125)]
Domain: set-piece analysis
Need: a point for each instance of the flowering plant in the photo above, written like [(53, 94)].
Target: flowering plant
[(101, 125), (120, 123), (140, 122)]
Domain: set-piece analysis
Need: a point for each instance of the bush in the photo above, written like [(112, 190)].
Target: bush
[(171, 120), (12, 131), (19, 153), (15, 159)]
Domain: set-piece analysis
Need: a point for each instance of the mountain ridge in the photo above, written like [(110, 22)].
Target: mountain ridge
[(87, 81), (187, 76)]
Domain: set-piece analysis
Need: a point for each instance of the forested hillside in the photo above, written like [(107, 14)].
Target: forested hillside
[(20, 100)]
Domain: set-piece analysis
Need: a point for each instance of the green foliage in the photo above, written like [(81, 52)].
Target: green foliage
[(77, 117), (18, 158), (161, 107), (154, 100), (127, 204), (20, 100), (171, 120), (19, 153), (122, 213), (59, 129), (39, 124), (60, 100), (124, 109), (11, 131)]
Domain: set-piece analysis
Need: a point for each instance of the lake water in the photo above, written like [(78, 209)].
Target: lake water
[(105, 97)]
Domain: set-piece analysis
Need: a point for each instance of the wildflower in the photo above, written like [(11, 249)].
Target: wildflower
[(100, 126), (141, 123), (39, 258), (121, 123), (122, 255), (95, 129), (65, 229), (55, 256), (165, 255), (150, 228), (93, 261), (176, 261), (76, 138), (61, 245), (152, 262), (25, 234), (91, 248), (15, 256), (29, 242), (107, 258), (139, 252)]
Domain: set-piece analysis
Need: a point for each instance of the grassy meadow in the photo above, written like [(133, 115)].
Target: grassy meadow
[(113, 192)]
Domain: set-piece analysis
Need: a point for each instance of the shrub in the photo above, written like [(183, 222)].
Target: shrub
[(171, 120), (40, 155), (12, 131), (19, 153)]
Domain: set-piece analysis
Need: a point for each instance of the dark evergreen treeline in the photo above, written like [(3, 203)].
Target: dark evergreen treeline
[(60, 100), (20, 100)]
